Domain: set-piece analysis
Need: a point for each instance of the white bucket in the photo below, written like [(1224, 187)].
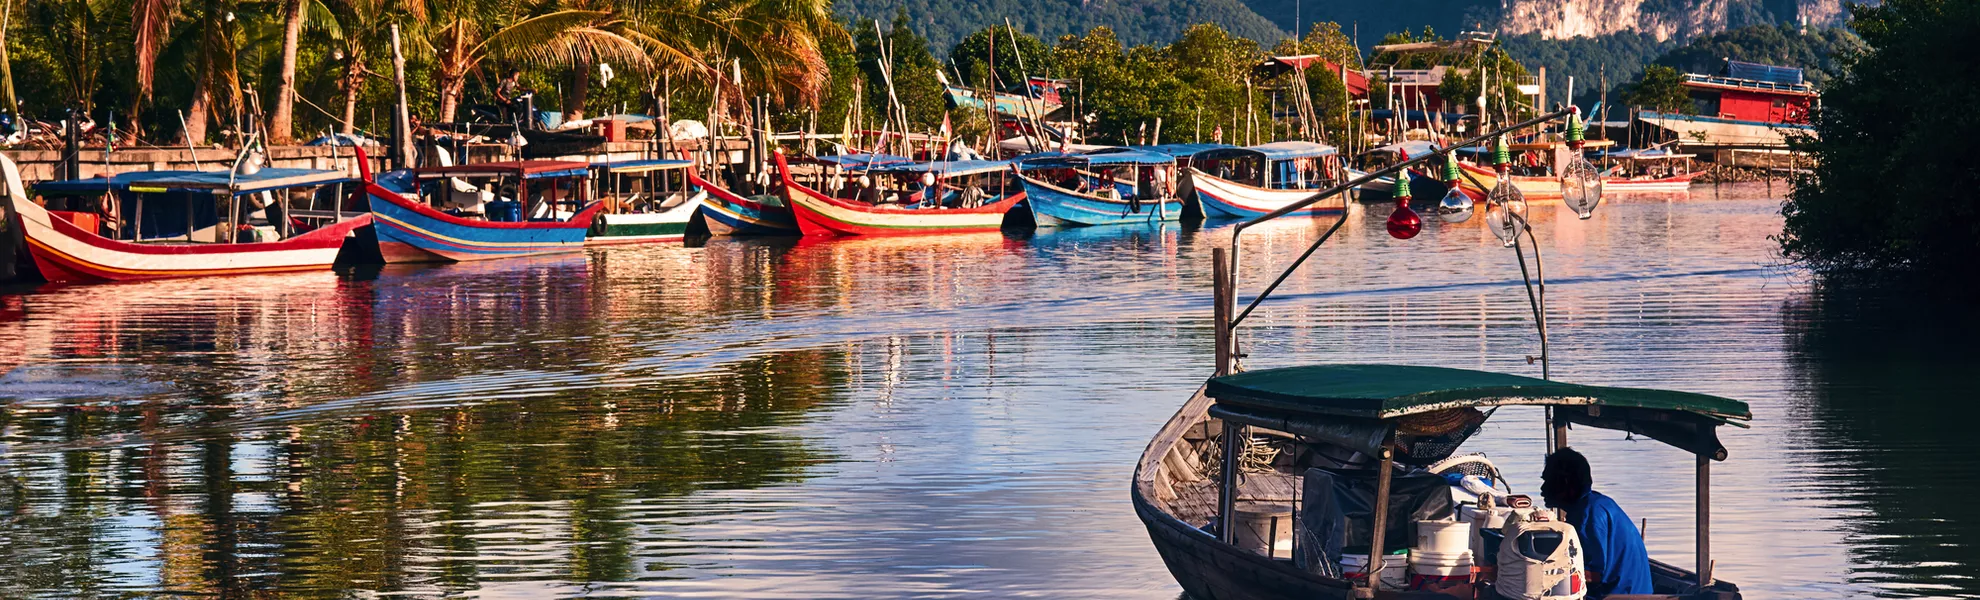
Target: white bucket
[(1441, 570), (1442, 537), (1440, 558), (1395, 569)]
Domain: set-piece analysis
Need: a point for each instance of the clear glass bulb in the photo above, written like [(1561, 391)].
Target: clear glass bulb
[(1457, 206), (1581, 186), (1505, 214)]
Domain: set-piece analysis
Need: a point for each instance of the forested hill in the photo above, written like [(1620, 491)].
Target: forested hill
[(944, 22)]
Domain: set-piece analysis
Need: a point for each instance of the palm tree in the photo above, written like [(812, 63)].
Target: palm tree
[(357, 27), (464, 34)]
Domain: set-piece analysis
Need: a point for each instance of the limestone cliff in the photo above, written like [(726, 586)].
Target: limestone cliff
[(1664, 19)]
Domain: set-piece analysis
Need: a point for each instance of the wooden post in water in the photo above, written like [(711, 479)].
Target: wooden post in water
[(1704, 521)]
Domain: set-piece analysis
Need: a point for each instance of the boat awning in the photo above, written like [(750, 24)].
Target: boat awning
[(643, 166), (98, 185), (1181, 150), (950, 168), (265, 179), (1116, 157), (1408, 149), (527, 169), (858, 161), (1642, 154), (1388, 392), (1275, 151)]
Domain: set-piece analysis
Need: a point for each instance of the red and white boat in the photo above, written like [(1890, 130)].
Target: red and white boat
[(68, 246), (1657, 172), (820, 214)]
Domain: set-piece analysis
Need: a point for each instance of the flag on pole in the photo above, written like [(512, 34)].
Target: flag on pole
[(948, 131)]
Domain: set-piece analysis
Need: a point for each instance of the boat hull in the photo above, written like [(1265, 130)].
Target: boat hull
[(409, 231), (1717, 131), (640, 228), (1220, 197), (65, 253), (1664, 185), (1055, 206), (1209, 569), (729, 214), (1534, 188), (820, 215)]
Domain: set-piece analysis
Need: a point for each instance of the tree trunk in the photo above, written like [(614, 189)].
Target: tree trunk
[(451, 87), (202, 102), (580, 89), (281, 124), (353, 84)]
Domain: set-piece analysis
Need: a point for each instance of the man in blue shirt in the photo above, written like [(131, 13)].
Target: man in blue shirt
[(1615, 558)]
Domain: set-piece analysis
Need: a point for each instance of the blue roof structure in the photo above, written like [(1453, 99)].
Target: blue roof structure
[(98, 185), (1111, 158), (642, 166), (949, 168), (263, 180), (1181, 150), (859, 161)]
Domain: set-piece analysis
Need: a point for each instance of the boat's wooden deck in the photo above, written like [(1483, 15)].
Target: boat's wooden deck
[(1196, 502)]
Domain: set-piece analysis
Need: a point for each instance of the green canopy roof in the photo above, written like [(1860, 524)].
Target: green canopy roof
[(1390, 391)]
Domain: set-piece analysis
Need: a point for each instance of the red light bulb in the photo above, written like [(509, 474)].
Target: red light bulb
[(1404, 224)]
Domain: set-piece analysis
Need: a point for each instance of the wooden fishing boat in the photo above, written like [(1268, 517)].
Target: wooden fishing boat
[(1253, 181), (1297, 482), (1653, 171), (645, 201), (495, 210), (728, 213), (185, 224), (938, 208), (1388, 427), (1534, 188), (1052, 205)]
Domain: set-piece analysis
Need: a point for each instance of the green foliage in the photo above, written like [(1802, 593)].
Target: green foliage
[(1134, 22), (1619, 57), (972, 57), (1893, 182), (1660, 89), (1202, 75), (913, 75), (1819, 51)]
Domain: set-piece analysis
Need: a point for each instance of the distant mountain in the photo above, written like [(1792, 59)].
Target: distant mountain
[(944, 22), (1661, 20)]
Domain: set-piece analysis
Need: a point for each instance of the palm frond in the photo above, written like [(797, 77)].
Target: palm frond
[(151, 22)]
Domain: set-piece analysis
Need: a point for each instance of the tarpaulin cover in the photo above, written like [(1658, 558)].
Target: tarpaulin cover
[(1412, 497)]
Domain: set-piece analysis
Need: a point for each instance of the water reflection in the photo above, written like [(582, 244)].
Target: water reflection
[(900, 417)]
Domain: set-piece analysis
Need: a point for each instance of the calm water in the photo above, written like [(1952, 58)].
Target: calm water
[(932, 417)]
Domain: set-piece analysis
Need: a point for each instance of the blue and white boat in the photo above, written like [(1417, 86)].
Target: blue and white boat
[(1253, 181), (1074, 201)]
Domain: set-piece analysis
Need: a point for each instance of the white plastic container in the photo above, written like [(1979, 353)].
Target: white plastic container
[(1442, 537), (1395, 569), (1440, 564)]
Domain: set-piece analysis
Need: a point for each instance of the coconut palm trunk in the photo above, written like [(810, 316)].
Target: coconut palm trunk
[(353, 84), (281, 123), (580, 89)]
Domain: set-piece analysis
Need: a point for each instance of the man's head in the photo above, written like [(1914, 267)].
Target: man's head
[(515, 73), (1566, 478)]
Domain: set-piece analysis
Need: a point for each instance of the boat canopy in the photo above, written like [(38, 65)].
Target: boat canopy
[(950, 168), (858, 161), (1116, 157), (1407, 149), (643, 166), (98, 185), (1346, 395), (263, 180), (1645, 154), (1275, 151), (1181, 150), (528, 169)]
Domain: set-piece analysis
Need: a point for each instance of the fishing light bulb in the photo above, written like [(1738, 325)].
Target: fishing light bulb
[(1581, 182), (1457, 206), (1403, 223), (1505, 213)]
